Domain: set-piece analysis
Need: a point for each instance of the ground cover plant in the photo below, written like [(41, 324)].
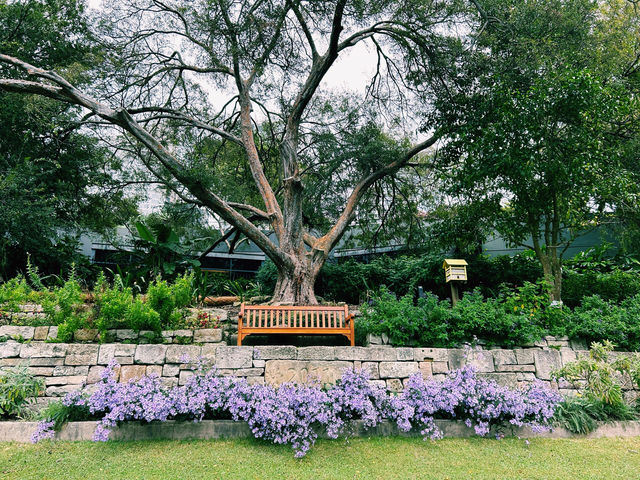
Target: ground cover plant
[(292, 414)]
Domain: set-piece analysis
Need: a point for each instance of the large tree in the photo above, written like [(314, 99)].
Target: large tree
[(263, 62)]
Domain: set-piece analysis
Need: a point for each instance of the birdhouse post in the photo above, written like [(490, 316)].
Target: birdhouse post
[(455, 270)]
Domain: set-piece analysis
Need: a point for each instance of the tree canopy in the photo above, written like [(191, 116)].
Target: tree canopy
[(55, 181)]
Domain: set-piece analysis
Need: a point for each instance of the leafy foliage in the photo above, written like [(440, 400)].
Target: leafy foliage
[(17, 387)]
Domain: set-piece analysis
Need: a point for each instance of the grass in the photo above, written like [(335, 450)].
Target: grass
[(372, 458)]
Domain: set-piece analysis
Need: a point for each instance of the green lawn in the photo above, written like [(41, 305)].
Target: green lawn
[(384, 458)]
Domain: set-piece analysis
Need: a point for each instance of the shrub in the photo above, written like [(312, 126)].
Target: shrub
[(65, 308), (600, 380), (140, 316), (169, 300), (517, 317), (614, 286), (600, 377), (350, 280), (112, 304), (292, 414), (17, 387), (597, 319)]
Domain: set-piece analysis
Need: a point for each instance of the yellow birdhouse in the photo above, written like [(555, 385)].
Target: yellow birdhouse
[(455, 269)]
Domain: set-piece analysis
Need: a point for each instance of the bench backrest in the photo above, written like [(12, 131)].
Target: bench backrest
[(267, 316)]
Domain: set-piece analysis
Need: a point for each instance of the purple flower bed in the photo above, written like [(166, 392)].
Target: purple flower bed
[(292, 414)]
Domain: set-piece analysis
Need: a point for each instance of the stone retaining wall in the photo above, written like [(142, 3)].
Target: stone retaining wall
[(67, 367), (43, 333), (213, 429)]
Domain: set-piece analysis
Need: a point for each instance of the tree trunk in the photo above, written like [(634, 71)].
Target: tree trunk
[(296, 287)]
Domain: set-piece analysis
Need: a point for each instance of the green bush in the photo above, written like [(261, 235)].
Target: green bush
[(112, 304), (65, 308), (140, 316), (615, 286), (600, 380), (350, 281), (170, 300), (512, 319), (17, 387)]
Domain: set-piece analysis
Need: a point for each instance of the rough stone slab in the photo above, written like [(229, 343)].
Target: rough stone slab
[(372, 369), (53, 332), (12, 362), (255, 380), (398, 369), (61, 391), (17, 331), (150, 354), (317, 353), (184, 377), (300, 371), (183, 353), (395, 385), (41, 371), (65, 380), (132, 372), (185, 333), (208, 353), (169, 370), (505, 379), (275, 352), (259, 363), (234, 357), (546, 361), (481, 360), (39, 350), (10, 349), (123, 353), (94, 374), (242, 372), (207, 335), (524, 356), (41, 333), (169, 382), (63, 370), (517, 368), (457, 358), (567, 356), (86, 335), (434, 354), (81, 355), (526, 377), (504, 357), (379, 354), (351, 353), (404, 354), (21, 432), (126, 334), (155, 370), (43, 362), (425, 369), (439, 367), (373, 339)]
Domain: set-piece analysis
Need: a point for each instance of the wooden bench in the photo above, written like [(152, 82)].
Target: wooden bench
[(308, 320)]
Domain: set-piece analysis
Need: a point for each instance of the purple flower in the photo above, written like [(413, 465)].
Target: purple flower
[(293, 414)]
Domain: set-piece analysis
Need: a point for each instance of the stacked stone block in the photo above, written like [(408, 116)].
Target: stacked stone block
[(68, 367)]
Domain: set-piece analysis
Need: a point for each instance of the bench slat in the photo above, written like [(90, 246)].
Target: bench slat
[(267, 319)]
